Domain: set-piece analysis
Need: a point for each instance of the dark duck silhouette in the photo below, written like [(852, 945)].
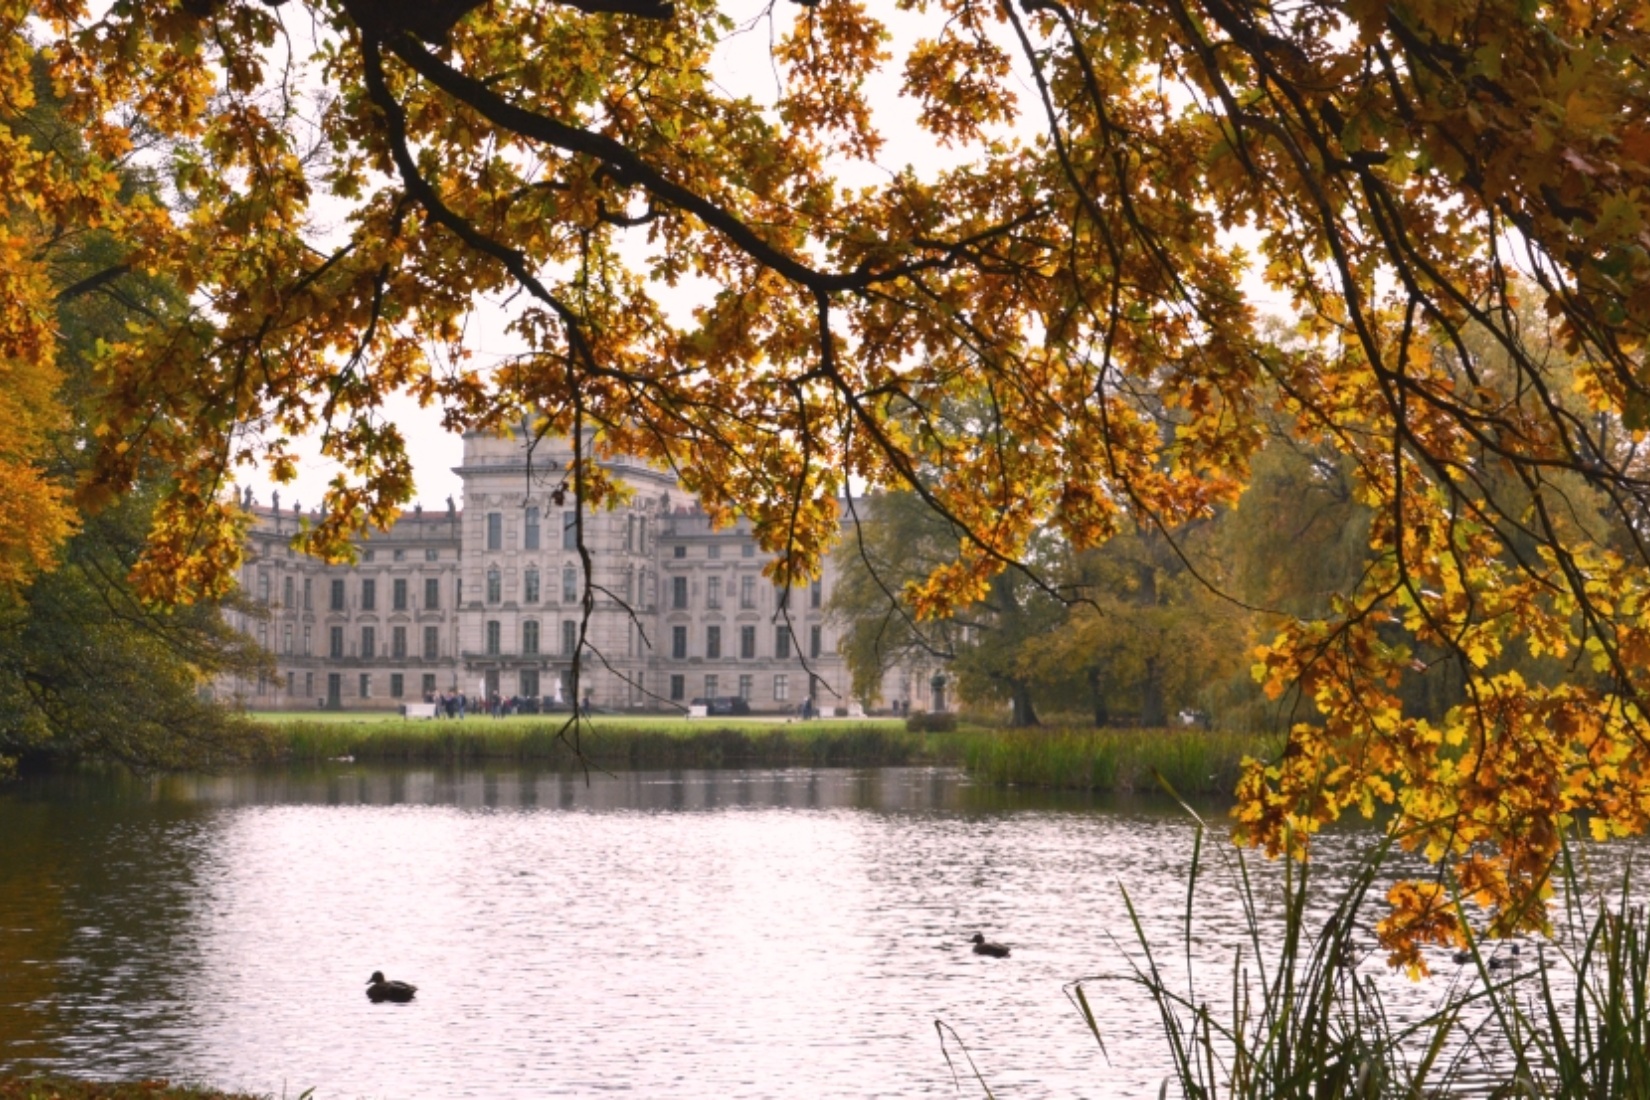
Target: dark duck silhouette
[(380, 990), (983, 947)]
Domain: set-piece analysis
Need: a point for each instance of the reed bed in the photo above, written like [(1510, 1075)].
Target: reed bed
[(67, 1088), (1192, 761), (1299, 1015)]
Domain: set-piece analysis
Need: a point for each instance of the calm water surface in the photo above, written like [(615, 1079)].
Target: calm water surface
[(694, 934)]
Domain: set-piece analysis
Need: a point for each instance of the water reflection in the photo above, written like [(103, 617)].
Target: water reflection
[(687, 934)]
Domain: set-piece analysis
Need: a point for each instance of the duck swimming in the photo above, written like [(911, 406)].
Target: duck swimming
[(983, 947), (380, 990)]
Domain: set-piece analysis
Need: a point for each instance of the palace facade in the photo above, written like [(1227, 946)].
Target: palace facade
[(487, 598)]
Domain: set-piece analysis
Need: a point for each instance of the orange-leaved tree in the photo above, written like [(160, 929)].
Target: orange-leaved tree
[(762, 294)]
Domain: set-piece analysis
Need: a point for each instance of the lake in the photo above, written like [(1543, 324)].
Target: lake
[(686, 934)]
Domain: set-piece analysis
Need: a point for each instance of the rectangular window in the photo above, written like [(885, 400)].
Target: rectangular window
[(398, 594), (713, 592), (678, 592), (432, 554), (713, 643), (397, 685), (306, 599), (814, 639), (493, 635), (432, 594), (263, 635), (745, 683), (569, 637), (366, 686), (529, 683), (678, 642), (286, 640), (432, 642), (569, 585), (306, 641), (569, 530), (399, 555), (530, 586), (747, 591), (747, 550), (816, 593), (369, 594), (286, 592), (458, 591), (369, 555), (678, 551), (495, 530), (369, 643), (530, 637), (781, 688), (335, 647), (338, 595), (495, 586), (678, 688), (428, 685), (747, 643), (782, 641), (714, 551), (398, 643), (263, 587), (711, 684), (530, 533), (309, 683)]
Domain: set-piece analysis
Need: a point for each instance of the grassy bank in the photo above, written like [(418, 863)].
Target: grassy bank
[(605, 742), (1193, 761)]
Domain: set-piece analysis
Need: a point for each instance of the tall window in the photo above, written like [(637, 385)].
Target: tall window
[(263, 587), (569, 637), (529, 683), (530, 530), (530, 636), (678, 642), (712, 683), (366, 686), (432, 593), (335, 643), (816, 593), (369, 594), (747, 591), (306, 647), (814, 640), (713, 592), (495, 586), (746, 681), (306, 595), (428, 681), (369, 642), (492, 637), (569, 530), (569, 584), (286, 640), (458, 591), (747, 642), (286, 592), (782, 641), (713, 642), (495, 530), (338, 594), (398, 642), (432, 642), (398, 684), (678, 592), (678, 687), (530, 586), (781, 688), (398, 594)]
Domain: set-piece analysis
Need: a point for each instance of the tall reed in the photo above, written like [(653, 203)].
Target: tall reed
[(1195, 761), (1298, 1019)]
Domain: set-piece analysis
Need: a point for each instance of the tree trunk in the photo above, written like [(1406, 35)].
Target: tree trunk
[(1097, 698), (1024, 713), (1151, 696)]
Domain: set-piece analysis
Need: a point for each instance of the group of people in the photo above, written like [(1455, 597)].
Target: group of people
[(456, 704)]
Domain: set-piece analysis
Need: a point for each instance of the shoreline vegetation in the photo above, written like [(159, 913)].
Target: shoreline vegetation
[(1191, 761), (68, 1088)]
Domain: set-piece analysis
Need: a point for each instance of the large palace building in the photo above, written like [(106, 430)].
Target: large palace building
[(486, 599)]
